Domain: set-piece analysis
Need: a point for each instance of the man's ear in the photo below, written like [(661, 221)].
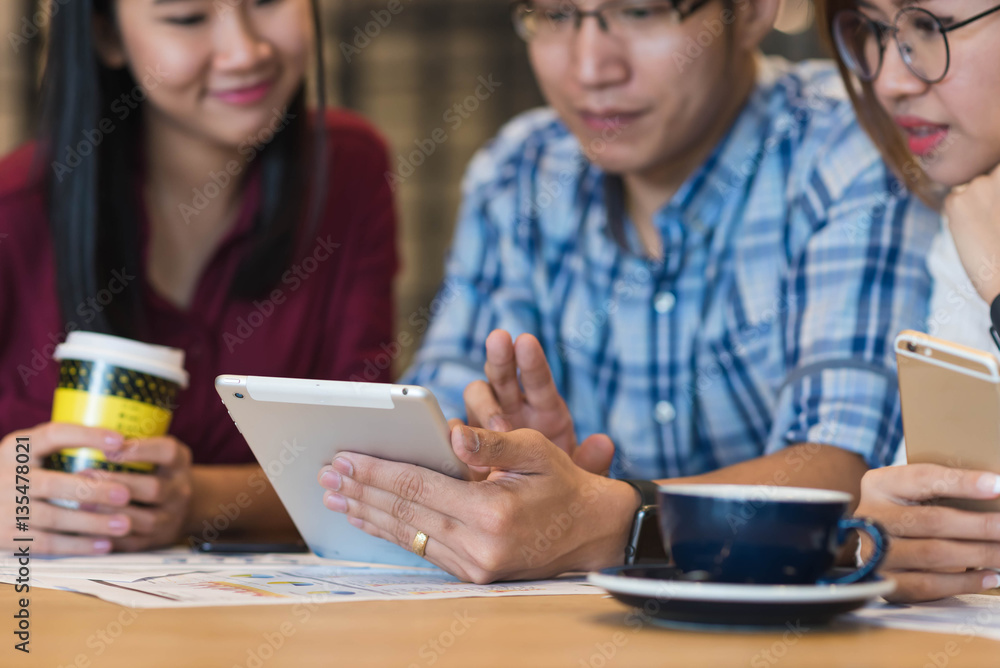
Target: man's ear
[(755, 19), (108, 42)]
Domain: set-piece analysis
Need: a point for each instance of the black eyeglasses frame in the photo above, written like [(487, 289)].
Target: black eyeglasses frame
[(883, 31), (579, 15)]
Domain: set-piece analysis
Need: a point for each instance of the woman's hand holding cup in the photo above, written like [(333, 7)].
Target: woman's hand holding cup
[(159, 501), (120, 511), (103, 475), (103, 514)]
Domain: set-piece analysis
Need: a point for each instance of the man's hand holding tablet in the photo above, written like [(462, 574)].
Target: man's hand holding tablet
[(544, 506), (537, 513)]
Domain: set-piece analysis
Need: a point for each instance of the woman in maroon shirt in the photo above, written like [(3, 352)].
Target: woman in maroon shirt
[(182, 195)]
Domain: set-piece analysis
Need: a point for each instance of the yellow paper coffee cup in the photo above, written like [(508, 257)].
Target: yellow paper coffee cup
[(114, 383)]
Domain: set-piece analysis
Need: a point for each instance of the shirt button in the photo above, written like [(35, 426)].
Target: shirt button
[(665, 412), (664, 302)]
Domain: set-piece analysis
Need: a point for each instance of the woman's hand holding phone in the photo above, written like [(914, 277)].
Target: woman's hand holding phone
[(934, 551), (107, 517)]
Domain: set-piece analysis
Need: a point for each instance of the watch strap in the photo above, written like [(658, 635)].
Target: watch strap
[(995, 313), (644, 521), (995, 319), (648, 491)]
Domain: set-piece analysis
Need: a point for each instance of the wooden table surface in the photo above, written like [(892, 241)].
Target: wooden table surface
[(524, 632)]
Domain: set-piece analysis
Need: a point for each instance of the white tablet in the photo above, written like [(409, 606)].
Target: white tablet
[(295, 427)]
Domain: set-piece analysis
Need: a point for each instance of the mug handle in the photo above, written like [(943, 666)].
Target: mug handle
[(879, 538)]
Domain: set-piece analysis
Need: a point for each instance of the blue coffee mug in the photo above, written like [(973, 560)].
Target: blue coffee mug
[(757, 534)]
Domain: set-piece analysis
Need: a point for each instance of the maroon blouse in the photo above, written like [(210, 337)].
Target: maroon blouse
[(334, 315)]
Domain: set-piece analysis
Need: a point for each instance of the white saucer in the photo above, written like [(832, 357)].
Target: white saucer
[(663, 593)]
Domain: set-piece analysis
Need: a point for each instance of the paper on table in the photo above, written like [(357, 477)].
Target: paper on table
[(131, 566), (308, 585), (178, 556), (970, 616), (180, 579)]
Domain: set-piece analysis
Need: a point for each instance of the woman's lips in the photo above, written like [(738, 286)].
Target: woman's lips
[(244, 96), (922, 135), (615, 120)]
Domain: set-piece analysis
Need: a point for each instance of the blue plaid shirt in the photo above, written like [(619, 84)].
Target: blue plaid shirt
[(791, 260)]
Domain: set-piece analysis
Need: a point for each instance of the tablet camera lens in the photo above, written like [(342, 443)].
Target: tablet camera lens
[(239, 395), (912, 347)]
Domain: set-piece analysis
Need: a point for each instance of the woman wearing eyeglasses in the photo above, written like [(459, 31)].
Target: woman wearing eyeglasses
[(925, 83)]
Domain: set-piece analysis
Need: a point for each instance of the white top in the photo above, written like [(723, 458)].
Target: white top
[(957, 311)]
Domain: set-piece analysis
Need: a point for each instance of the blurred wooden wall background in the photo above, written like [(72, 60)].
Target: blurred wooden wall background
[(404, 71)]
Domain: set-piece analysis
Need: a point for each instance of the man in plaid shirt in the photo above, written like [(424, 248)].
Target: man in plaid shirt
[(704, 263)]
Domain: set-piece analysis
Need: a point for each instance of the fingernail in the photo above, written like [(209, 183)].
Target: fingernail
[(114, 439), (471, 439), (118, 495), (355, 522), (991, 581), (336, 503), (497, 423), (344, 466), (102, 545), (118, 524), (122, 452), (331, 480), (989, 483)]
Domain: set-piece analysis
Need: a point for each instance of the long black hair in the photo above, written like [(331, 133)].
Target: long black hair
[(92, 195)]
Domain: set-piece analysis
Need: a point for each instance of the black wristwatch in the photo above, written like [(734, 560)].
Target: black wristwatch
[(644, 543), (995, 319)]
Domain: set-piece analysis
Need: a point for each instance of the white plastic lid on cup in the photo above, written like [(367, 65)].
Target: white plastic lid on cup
[(160, 361)]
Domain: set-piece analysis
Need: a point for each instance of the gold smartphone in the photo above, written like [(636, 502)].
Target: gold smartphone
[(951, 407)]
